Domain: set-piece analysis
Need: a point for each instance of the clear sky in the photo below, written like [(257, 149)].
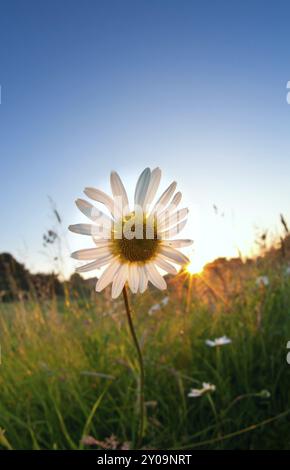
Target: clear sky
[(195, 87)]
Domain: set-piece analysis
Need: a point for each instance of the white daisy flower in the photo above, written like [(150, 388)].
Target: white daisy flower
[(262, 281), (218, 341), (133, 245), (198, 392)]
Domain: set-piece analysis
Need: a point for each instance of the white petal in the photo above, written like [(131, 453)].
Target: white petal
[(165, 197), (155, 277), (93, 231), (142, 187), (176, 199), (133, 277), (108, 275), (83, 229), (153, 186), (101, 242), (93, 213), (103, 232), (119, 280), (168, 220), (173, 255), (119, 193), (161, 263), (143, 279), (173, 205), (173, 230), (95, 264), (177, 243), (91, 253), (195, 393), (100, 196)]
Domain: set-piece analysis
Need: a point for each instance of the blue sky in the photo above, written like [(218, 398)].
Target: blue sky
[(195, 87)]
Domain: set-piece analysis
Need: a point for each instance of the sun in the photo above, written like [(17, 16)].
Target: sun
[(195, 266)]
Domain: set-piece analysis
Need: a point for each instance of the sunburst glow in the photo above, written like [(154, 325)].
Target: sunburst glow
[(195, 266)]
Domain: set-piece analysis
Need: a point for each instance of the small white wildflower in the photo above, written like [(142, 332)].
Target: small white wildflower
[(198, 392), (157, 307), (165, 300), (154, 308), (218, 341), (262, 281), (287, 271)]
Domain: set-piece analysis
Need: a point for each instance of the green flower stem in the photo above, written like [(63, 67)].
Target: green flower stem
[(141, 368)]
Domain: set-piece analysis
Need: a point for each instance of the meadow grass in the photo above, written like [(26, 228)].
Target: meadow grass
[(69, 370)]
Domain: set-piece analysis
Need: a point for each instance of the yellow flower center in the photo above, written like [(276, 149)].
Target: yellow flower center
[(135, 238)]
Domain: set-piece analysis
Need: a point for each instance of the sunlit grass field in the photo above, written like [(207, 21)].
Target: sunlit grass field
[(69, 370)]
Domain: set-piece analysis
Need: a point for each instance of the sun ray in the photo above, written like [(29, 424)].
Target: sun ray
[(195, 266)]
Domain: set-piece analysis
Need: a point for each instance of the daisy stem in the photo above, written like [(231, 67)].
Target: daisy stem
[(141, 367)]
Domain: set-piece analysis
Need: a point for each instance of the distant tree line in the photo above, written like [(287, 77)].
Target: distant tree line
[(16, 282)]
